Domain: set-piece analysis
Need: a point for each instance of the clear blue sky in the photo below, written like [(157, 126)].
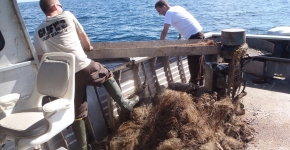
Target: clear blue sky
[(19, 1)]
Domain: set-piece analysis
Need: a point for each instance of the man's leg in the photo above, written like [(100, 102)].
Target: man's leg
[(79, 129), (116, 93), (196, 64), (195, 67), (201, 64), (81, 111), (100, 75)]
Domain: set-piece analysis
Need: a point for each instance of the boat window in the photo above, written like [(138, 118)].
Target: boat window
[(2, 41)]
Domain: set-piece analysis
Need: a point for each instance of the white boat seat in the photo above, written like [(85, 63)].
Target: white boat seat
[(24, 124), (7, 102), (30, 123), (50, 71)]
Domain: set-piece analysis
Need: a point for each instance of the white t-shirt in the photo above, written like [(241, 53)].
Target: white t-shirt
[(60, 34), (182, 21)]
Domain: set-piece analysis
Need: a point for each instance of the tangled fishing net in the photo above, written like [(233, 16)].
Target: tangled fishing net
[(178, 120)]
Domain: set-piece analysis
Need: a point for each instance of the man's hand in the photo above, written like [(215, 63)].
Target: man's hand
[(91, 48)]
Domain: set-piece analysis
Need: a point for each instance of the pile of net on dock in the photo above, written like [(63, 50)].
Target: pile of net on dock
[(178, 120)]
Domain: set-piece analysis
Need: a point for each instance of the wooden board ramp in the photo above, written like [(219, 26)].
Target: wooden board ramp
[(152, 49)]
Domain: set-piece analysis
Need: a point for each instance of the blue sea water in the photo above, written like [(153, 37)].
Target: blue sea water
[(137, 20)]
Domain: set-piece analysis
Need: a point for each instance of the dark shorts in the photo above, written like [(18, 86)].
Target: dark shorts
[(196, 63), (95, 74)]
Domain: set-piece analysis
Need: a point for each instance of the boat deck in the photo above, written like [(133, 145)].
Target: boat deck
[(267, 111)]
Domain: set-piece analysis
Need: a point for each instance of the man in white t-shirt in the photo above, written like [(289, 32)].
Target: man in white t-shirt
[(189, 28), (62, 32)]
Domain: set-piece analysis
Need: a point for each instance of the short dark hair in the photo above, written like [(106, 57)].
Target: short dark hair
[(161, 3), (45, 5)]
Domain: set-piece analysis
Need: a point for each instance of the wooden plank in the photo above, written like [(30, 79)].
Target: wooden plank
[(144, 49), (152, 52), (143, 44)]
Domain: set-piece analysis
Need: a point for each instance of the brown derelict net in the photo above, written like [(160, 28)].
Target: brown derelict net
[(178, 120), (235, 72)]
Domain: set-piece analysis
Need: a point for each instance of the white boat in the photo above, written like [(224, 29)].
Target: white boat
[(266, 104)]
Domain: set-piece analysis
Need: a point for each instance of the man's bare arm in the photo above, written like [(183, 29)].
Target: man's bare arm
[(85, 41), (164, 31)]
